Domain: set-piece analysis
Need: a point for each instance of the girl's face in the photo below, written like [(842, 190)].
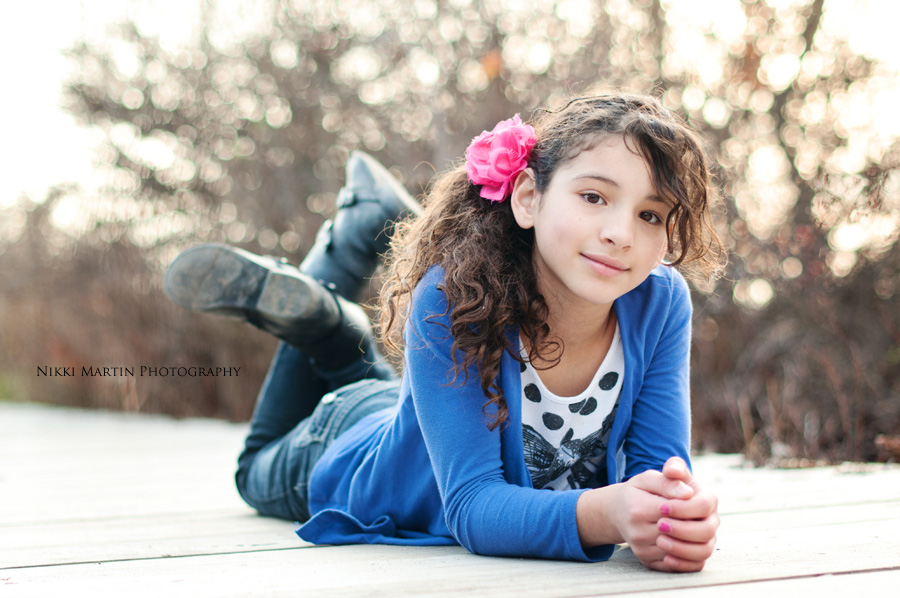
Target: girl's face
[(599, 227)]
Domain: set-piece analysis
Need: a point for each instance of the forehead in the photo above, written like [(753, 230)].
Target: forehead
[(614, 157), (620, 159)]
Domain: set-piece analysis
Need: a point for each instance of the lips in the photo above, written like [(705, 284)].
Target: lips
[(605, 265)]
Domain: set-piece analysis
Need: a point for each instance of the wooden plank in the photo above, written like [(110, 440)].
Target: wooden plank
[(116, 503), (116, 497), (797, 519), (127, 464), (875, 583), (65, 465), (743, 489), (147, 537), (224, 532), (437, 571)]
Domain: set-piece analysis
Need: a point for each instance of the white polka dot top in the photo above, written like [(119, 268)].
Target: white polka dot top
[(566, 437)]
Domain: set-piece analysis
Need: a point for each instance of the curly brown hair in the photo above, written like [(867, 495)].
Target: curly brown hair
[(490, 280)]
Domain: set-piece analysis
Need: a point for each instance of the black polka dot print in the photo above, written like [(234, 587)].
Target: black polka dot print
[(565, 439), (585, 407), (533, 393), (608, 381), (552, 421), (589, 406)]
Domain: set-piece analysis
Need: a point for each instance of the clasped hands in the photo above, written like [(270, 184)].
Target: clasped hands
[(667, 518)]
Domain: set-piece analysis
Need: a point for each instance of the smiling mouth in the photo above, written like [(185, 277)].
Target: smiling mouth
[(605, 266)]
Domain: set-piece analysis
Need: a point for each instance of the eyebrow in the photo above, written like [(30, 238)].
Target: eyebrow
[(609, 181)]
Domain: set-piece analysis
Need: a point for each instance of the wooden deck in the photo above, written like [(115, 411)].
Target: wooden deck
[(127, 505)]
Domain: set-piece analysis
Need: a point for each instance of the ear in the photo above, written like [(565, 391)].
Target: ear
[(524, 198)]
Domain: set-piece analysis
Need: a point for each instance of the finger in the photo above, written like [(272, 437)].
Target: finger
[(686, 551), (676, 469), (649, 554), (699, 506), (671, 564), (698, 531), (659, 565), (658, 484), (675, 565)]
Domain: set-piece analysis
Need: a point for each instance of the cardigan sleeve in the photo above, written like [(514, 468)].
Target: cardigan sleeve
[(660, 424), (485, 513)]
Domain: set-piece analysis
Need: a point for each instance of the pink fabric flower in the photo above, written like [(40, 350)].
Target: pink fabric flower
[(494, 159)]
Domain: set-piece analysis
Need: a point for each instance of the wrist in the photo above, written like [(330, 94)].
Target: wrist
[(595, 515)]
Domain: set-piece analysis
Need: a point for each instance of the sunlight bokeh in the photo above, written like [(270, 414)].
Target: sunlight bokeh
[(232, 121), (32, 41), (68, 152)]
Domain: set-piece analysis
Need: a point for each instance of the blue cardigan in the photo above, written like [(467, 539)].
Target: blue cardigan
[(430, 472)]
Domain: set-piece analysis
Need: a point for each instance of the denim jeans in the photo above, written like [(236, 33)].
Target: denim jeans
[(300, 411)]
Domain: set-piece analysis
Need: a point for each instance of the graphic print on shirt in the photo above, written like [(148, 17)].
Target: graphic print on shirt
[(565, 438), (583, 456)]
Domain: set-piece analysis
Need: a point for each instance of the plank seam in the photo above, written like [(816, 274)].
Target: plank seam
[(744, 582), (158, 558)]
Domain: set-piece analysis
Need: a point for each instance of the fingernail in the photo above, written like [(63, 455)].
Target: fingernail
[(664, 543), (664, 527), (665, 509), (682, 489)]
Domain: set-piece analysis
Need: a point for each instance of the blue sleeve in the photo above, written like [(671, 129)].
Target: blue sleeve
[(661, 416), (484, 512)]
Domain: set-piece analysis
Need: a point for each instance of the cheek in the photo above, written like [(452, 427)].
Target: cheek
[(561, 227), (552, 240), (550, 225), (663, 248), (565, 235), (656, 244)]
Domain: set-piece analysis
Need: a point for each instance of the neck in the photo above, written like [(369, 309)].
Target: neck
[(586, 331), (584, 328), (579, 324)]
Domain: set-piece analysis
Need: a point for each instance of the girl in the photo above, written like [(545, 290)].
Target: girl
[(543, 408)]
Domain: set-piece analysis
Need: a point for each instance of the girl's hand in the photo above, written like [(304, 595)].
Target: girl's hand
[(641, 505), (640, 511), (687, 526), (630, 512)]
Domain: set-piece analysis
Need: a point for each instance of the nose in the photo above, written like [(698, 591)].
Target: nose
[(617, 229)]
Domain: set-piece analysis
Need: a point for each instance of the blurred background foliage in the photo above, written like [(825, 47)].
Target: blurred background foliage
[(796, 350)]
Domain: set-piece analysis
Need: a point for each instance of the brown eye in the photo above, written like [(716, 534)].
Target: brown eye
[(592, 198), (651, 218)]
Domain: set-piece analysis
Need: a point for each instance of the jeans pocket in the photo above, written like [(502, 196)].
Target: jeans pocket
[(321, 420), (340, 410)]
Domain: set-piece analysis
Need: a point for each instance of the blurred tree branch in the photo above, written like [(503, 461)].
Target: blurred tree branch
[(797, 349)]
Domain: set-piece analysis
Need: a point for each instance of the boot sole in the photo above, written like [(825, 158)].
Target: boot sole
[(221, 279)]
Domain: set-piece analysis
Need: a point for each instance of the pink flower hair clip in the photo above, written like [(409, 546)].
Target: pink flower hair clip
[(494, 159)]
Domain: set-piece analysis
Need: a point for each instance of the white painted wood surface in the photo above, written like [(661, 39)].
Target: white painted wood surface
[(117, 504)]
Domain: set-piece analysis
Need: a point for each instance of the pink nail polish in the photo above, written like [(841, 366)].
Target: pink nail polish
[(664, 527), (665, 509)]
